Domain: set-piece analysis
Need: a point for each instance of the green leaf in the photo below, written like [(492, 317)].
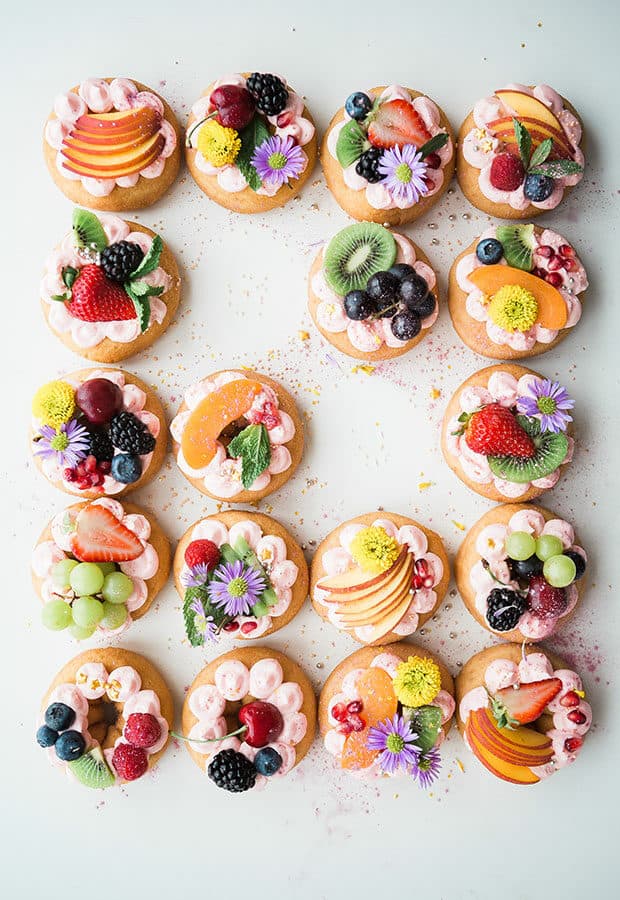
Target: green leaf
[(194, 636), (141, 306), (62, 298), (351, 143), (436, 143), (269, 597), (251, 137), (139, 288), (253, 448), (150, 261), (260, 608), (69, 274), (425, 722), (541, 153), (557, 168), (88, 231), (524, 142), (229, 554)]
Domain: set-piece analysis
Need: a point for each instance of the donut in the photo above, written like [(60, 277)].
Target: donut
[(388, 155), (521, 711), (110, 288), (503, 457), (112, 144), (518, 171), (379, 577), (516, 291), (342, 303), (503, 580), (106, 717), (401, 690), (237, 436), (249, 716), (124, 554), (250, 143), (230, 544)]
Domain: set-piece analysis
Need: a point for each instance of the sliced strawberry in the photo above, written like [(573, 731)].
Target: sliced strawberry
[(525, 703), (494, 431), (94, 298), (396, 123), (100, 537)]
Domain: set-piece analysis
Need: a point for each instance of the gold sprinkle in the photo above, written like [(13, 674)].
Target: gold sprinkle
[(480, 133), (435, 392), (303, 335), (460, 765), (423, 485), (367, 370), (458, 525), (486, 145)]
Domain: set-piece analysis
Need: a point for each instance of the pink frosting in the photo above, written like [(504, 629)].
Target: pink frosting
[(97, 96)]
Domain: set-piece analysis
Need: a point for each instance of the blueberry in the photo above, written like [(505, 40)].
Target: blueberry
[(579, 560), (525, 568), (401, 271), (358, 305), (489, 251), (413, 289), (46, 737), (406, 325), (358, 105), (267, 761), (538, 187), (59, 716), (126, 468), (70, 745)]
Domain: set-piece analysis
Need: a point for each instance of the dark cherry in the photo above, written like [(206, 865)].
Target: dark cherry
[(99, 400), (263, 721)]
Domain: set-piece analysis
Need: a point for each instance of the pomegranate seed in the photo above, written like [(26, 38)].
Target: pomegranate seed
[(572, 744), (356, 722), (570, 699), (554, 278), (231, 626), (344, 728), (105, 466), (546, 251), (566, 250), (433, 160), (70, 475), (355, 706), (285, 118), (90, 464), (248, 627), (430, 184), (570, 265), (555, 263), (339, 712), (576, 716)]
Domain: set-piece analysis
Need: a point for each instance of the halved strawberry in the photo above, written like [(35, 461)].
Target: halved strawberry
[(494, 431), (100, 537), (396, 123), (94, 298), (518, 706)]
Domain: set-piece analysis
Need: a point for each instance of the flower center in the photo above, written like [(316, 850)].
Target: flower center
[(238, 587), (513, 308), (424, 764), (395, 743), (546, 405), (277, 161), (59, 442), (403, 173)]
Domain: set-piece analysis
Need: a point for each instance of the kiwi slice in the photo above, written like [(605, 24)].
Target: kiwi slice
[(551, 450), (351, 143), (356, 253), (518, 243), (88, 231), (92, 770)]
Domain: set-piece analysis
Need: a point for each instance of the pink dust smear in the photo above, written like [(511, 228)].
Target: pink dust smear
[(584, 658)]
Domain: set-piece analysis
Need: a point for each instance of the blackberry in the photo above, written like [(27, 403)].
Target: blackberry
[(368, 165), (504, 609), (101, 446), (232, 771), (269, 92), (131, 435), (119, 260)]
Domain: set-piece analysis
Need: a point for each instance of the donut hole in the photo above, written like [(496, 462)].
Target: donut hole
[(105, 721), (231, 431)]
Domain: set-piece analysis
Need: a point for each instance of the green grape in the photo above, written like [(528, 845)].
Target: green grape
[(520, 545), (56, 615), (86, 578), (106, 568), (79, 633), (559, 571), (547, 546), (114, 614), (61, 572), (117, 587), (87, 611)]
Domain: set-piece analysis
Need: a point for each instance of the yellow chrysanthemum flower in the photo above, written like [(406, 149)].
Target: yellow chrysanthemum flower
[(54, 403), (513, 308), (417, 681), (374, 550), (219, 146)]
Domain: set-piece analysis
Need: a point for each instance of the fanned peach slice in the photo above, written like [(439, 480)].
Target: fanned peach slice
[(552, 312), (528, 107), (356, 579), (115, 123), (507, 771), (389, 622), (371, 607), (378, 703), (114, 165), (520, 746), (207, 421)]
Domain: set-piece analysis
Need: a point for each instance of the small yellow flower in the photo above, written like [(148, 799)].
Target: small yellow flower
[(513, 308), (417, 681), (374, 550), (219, 146), (54, 403)]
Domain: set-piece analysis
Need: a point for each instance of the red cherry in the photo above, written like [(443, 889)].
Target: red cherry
[(355, 706), (570, 699), (99, 400), (554, 278), (544, 600), (546, 251), (339, 712), (263, 721), (234, 104), (576, 716), (572, 744), (566, 250)]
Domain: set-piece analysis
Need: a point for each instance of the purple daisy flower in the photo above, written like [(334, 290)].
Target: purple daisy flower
[(196, 576), (236, 587), (67, 445), (547, 401), (395, 739), (404, 169), (277, 160), (204, 624), (427, 768)]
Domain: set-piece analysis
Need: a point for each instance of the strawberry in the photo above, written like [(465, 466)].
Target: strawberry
[(202, 552), (100, 537), (396, 123), (494, 431), (507, 172), (94, 298), (518, 706)]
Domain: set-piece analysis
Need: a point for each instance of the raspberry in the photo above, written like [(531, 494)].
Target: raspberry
[(202, 552), (129, 762), (142, 730), (268, 416), (507, 172)]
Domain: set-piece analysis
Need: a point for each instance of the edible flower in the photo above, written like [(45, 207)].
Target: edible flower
[(67, 445), (54, 403), (395, 741), (546, 401), (220, 146), (374, 550), (513, 308), (417, 681), (277, 160), (236, 587), (205, 625), (404, 171), (428, 767), (196, 576)]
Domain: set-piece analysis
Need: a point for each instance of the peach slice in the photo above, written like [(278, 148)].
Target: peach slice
[(355, 753), (207, 421), (355, 579), (526, 106), (515, 774), (115, 122), (370, 608), (114, 165), (519, 746), (378, 703), (389, 622), (552, 312), (503, 130)]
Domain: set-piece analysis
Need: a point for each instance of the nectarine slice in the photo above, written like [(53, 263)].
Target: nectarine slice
[(552, 312), (207, 421), (354, 580), (507, 771), (518, 746), (529, 107)]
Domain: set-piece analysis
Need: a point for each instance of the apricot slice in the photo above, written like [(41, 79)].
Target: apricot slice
[(207, 421), (377, 695), (355, 753), (552, 312)]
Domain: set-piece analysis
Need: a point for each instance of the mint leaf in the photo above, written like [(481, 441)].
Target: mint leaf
[(557, 168), (425, 722), (253, 448), (524, 142), (436, 143), (251, 137), (541, 153), (88, 231), (351, 143), (195, 637), (62, 298), (141, 306), (150, 261)]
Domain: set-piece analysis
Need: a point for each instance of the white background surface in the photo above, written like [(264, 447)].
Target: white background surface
[(371, 441)]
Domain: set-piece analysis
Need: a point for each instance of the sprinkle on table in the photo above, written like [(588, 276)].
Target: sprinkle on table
[(458, 525)]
